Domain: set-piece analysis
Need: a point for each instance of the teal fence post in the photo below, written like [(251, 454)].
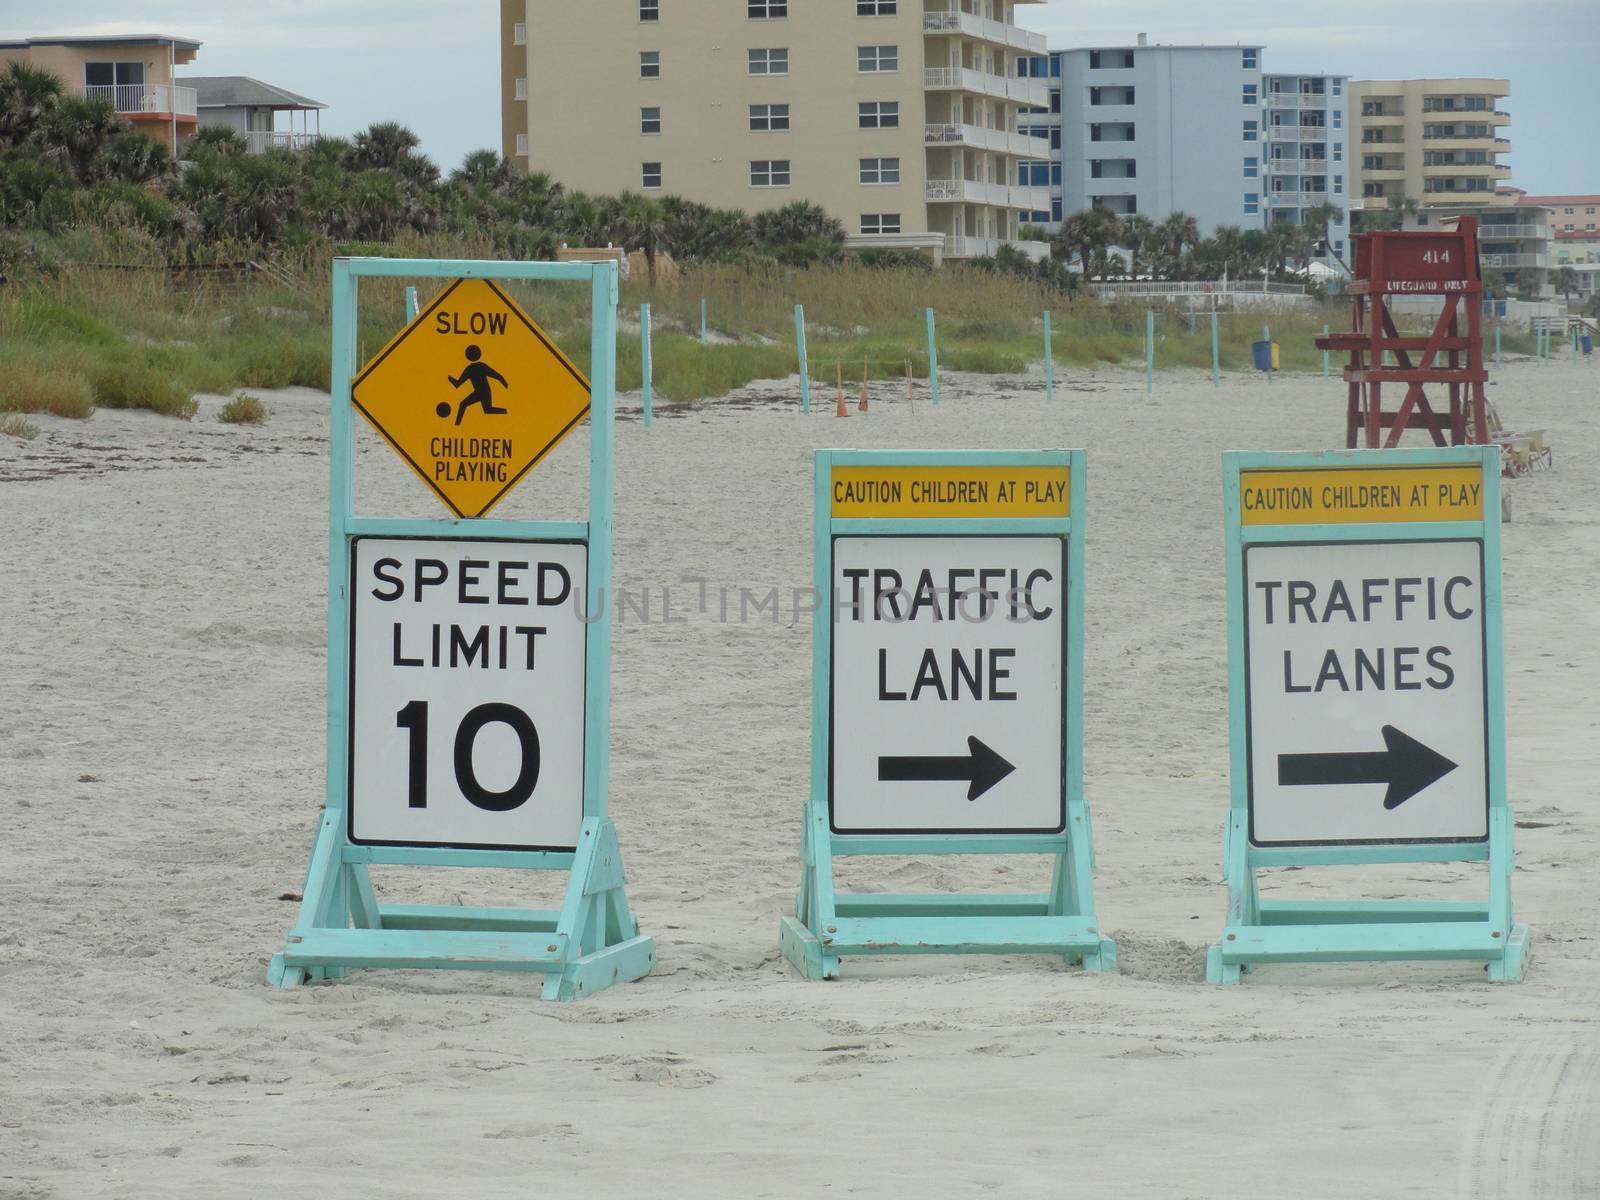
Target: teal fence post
[(1325, 354), (1266, 336), (1049, 361), (702, 320), (1149, 350), (933, 360), (1216, 353), (411, 305), (645, 364), (1497, 343), (805, 363)]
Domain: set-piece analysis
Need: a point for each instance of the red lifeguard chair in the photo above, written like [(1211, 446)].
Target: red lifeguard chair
[(1415, 263)]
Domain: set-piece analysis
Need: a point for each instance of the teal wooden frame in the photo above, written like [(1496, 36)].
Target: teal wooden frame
[(1269, 931), (828, 925), (592, 941)]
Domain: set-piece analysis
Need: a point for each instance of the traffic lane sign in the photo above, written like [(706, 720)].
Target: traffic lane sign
[(472, 394), (467, 693), (1366, 693), (947, 677)]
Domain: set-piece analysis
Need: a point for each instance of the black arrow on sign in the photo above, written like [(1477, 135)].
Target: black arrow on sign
[(1406, 765), (981, 767)]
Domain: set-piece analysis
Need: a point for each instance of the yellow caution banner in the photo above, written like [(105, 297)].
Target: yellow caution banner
[(950, 492), (1361, 495)]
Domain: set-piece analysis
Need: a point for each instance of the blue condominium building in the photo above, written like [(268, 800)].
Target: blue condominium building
[(1195, 129)]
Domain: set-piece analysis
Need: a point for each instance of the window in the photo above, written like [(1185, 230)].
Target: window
[(877, 58), (1338, 248), (1251, 59), (1251, 130), (1338, 119), (766, 10), (650, 175), (519, 34), (522, 144), (1055, 100), (1372, 162), (650, 120), (520, 89), (880, 170), (1252, 204), (649, 64), (875, 8), (1110, 60), (769, 172), (649, 10), (1338, 152), (1338, 90), (768, 62), (878, 114), (1252, 168), (880, 222), (1338, 185), (1250, 93), (1033, 174), (1372, 189), (769, 118)]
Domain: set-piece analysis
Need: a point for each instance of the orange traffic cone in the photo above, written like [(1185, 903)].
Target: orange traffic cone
[(841, 410), (862, 407)]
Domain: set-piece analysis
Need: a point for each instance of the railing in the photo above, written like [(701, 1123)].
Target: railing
[(1034, 92), (1514, 260), (1528, 229), (1297, 100), (985, 247), (138, 98), (997, 195), (986, 139), (259, 141), (985, 30), (1225, 288)]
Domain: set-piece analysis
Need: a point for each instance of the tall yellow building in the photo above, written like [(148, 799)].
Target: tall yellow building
[(899, 117), (1436, 141)]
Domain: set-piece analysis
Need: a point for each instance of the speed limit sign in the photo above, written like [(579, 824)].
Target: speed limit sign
[(467, 693)]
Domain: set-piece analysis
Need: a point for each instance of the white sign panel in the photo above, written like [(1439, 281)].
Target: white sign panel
[(1366, 693), (467, 693), (947, 680)]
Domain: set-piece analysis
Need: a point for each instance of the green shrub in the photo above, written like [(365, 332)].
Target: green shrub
[(17, 427), (243, 410), (35, 386), (132, 382)]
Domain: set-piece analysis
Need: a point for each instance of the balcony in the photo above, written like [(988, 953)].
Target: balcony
[(259, 141), (1296, 199), (1514, 260), (983, 247), (1032, 92), (1500, 233), (994, 195), (967, 25), (1376, 174), (1471, 170), (1387, 117), (977, 137), (135, 100), (1297, 100)]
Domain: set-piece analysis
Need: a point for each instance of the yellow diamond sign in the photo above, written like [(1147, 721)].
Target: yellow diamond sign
[(472, 394)]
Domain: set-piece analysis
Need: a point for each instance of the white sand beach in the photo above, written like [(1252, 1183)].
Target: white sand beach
[(163, 594)]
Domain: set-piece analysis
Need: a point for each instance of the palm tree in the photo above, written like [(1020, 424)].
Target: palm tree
[(1323, 217), (1137, 234), (74, 130), (1229, 244), (484, 169), (1084, 234), (646, 225), (27, 93), (1176, 234), (795, 223), (389, 145), (1565, 281), (131, 156), (215, 139)]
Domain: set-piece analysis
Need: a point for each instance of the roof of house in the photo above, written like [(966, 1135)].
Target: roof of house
[(1547, 201), (118, 39), (240, 91)]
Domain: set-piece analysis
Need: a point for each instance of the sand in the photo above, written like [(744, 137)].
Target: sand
[(162, 635)]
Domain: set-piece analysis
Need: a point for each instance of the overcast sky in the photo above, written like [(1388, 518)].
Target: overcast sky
[(433, 64)]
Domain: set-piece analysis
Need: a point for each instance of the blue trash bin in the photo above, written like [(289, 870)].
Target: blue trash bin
[(1261, 352), (1586, 343)]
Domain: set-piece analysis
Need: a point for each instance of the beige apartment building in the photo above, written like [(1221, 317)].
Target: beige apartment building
[(133, 71), (1437, 141), (899, 117)]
